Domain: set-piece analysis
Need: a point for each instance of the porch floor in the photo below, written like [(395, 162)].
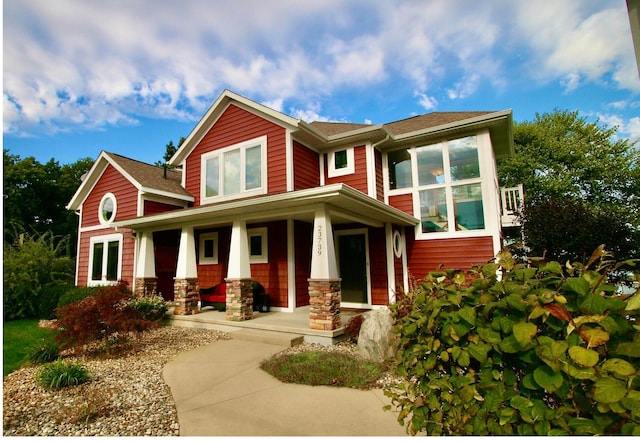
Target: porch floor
[(294, 323)]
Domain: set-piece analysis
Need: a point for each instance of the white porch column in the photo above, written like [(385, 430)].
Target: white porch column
[(186, 267), (145, 281), (239, 267), (146, 266), (323, 254)]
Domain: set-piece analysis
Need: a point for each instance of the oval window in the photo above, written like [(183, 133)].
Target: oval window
[(107, 210), (397, 244)]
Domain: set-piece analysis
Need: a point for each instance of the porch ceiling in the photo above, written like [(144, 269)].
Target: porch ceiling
[(345, 204)]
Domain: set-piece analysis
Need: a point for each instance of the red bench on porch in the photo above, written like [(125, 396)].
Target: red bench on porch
[(216, 297)]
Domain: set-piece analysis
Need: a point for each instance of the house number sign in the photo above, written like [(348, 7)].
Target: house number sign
[(319, 240)]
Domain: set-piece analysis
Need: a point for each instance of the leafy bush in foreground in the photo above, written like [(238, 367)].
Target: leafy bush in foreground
[(60, 374), (102, 316), (541, 350)]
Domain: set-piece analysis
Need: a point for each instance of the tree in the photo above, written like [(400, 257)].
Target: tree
[(170, 150), (563, 159), (35, 196)]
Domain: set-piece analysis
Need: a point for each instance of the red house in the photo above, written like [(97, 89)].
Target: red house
[(320, 214)]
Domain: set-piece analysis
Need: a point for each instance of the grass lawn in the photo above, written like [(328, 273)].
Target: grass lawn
[(19, 340)]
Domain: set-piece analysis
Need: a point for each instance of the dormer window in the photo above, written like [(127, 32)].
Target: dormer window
[(107, 209), (341, 162)]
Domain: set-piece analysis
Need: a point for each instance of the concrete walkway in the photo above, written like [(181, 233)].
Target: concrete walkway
[(220, 390)]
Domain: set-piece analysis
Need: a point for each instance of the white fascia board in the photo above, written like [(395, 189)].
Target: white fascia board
[(89, 181), (176, 196)]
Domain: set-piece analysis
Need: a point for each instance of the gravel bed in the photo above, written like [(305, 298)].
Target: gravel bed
[(127, 395)]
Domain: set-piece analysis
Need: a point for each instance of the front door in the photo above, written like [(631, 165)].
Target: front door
[(353, 259)]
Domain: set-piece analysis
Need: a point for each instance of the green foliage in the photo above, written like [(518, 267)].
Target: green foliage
[(60, 374), (506, 348), (19, 337), (152, 308), (323, 368), (103, 316), (560, 157), (47, 351), (48, 299), (75, 294), (32, 265)]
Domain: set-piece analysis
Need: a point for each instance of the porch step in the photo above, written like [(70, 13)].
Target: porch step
[(268, 337)]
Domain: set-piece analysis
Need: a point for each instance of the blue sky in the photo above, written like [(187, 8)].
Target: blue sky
[(129, 76)]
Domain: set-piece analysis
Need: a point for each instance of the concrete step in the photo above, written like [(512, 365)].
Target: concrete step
[(268, 337)]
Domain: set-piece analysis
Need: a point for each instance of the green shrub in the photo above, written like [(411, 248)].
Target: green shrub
[(47, 351), (32, 263), (60, 374), (102, 316), (48, 298), (152, 308), (544, 349), (75, 294)]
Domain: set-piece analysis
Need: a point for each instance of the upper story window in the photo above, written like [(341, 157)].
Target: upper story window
[(107, 209), (448, 184), (238, 170), (341, 162)]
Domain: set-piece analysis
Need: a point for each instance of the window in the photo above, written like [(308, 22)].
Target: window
[(258, 252), (238, 170), (208, 248), (448, 184), (104, 260), (341, 162), (107, 209)]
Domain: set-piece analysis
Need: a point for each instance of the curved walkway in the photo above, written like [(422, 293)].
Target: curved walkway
[(220, 390)]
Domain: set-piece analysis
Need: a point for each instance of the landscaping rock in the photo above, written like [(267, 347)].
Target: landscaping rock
[(376, 340)]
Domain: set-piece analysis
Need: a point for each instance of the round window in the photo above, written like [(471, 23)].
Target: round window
[(397, 244), (107, 210)]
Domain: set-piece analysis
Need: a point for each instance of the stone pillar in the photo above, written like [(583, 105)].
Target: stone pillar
[(186, 296), (145, 286), (239, 299), (324, 298)]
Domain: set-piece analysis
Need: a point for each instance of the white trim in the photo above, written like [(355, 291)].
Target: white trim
[(201, 240), (291, 266), (370, 160), (219, 154), (365, 232), (263, 234), (389, 235), (349, 169), (105, 197), (104, 239), (289, 161)]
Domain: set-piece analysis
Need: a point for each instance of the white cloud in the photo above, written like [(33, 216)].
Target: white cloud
[(626, 128), (427, 102)]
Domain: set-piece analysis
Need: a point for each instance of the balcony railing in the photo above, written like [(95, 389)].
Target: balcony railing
[(512, 199)]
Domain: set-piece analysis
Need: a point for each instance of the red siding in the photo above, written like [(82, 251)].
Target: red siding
[(166, 245), (234, 126), (402, 202), (128, 247), (358, 179), (378, 267), (126, 197), (306, 167), (460, 253), (153, 207), (303, 232), (273, 275), (213, 274), (379, 182)]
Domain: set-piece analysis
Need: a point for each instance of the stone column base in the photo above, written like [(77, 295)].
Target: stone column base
[(146, 286), (239, 299), (324, 299), (186, 296)]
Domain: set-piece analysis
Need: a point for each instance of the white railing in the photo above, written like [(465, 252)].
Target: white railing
[(512, 199)]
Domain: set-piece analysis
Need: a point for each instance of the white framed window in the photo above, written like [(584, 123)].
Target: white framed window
[(258, 245), (105, 260), (107, 209), (447, 184), (208, 250), (238, 170), (341, 162)]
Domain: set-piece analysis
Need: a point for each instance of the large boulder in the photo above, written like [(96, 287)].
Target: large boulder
[(376, 340)]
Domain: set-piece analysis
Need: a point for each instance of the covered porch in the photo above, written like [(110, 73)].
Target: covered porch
[(311, 283)]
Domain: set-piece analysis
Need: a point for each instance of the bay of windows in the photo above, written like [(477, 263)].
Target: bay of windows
[(447, 181), (237, 170)]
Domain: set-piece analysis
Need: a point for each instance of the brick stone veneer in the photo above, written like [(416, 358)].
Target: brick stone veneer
[(324, 298), (186, 296), (146, 287), (239, 299)]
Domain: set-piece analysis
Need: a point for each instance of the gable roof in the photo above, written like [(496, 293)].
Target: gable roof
[(145, 177)]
